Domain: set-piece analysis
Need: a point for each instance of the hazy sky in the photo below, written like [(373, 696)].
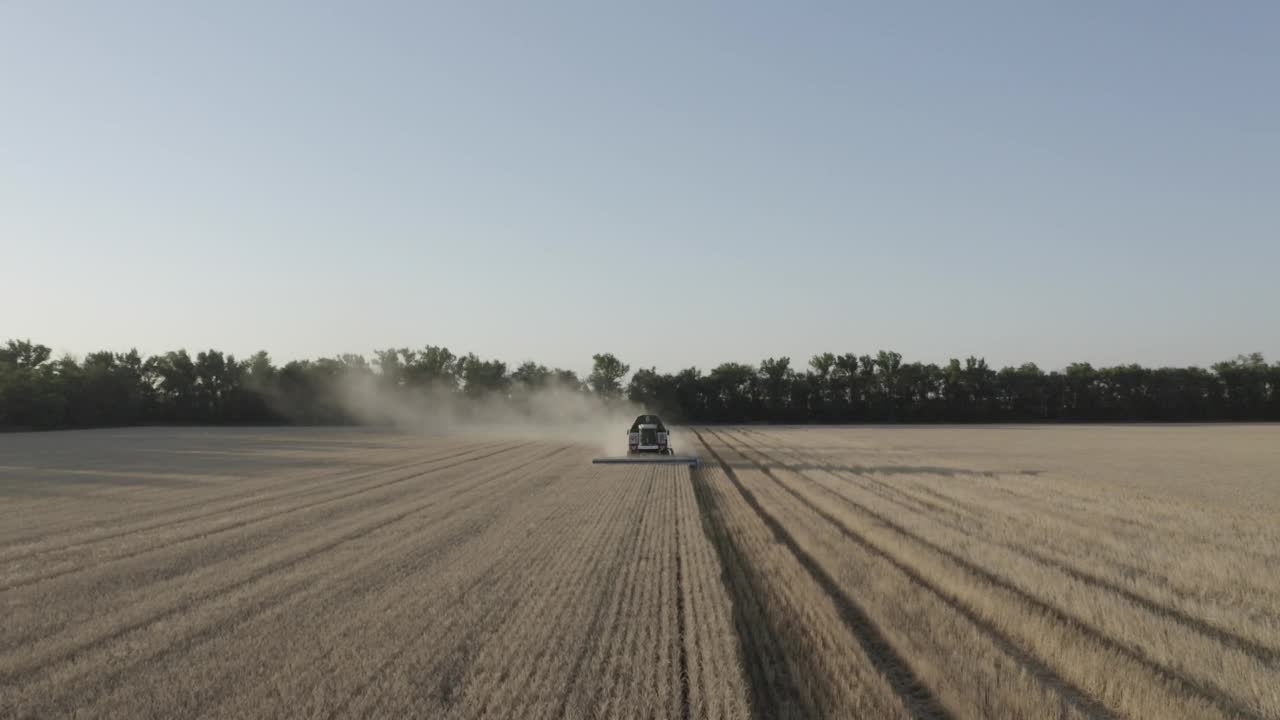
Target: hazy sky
[(678, 183)]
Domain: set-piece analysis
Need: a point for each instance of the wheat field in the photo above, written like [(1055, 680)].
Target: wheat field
[(898, 572)]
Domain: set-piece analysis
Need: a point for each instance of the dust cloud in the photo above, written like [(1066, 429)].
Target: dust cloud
[(553, 412)]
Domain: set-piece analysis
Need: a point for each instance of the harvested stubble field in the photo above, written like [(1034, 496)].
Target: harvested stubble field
[(1013, 572)]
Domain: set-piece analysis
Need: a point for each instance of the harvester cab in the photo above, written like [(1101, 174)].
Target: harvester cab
[(649, 442), (648, 435)]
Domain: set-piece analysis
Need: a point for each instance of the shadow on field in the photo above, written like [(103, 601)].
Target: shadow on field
[(216, 462), (323, 444), (887, 469), (917, 698), (47, 481), (774, 693), (168, 461)]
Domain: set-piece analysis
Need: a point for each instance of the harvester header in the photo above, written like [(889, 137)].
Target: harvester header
[(649, 443)]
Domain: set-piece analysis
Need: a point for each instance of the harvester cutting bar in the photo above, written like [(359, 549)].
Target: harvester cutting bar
[(690, 460)]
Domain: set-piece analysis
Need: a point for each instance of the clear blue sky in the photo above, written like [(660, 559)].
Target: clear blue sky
[(678, 183)]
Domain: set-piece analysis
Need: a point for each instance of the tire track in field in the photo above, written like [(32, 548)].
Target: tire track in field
[(896, 495), (721, 688), (526, 616), (681, 620), (1168, 584), (205, 534), (22, 673), (1188, 685), (1135, 529), (499, 565), (486, 578), (209, 489), (1230, 638), (659, 610), (967, 513), (237, 497), (298, 587), (771, 684), (614, 595), (918, 699), (688, 630), (630, 543), (275, 489), (645, 621), (504, 577), (1233, 698), (619, 639), (1204, 675), (1069, 692), (695, 684), (203, 558), (1033, 500), (239, 501)]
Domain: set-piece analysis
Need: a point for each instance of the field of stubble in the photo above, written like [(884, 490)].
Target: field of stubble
[(1017, 572)]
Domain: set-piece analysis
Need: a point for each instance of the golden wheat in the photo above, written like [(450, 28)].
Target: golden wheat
[(964, 572)]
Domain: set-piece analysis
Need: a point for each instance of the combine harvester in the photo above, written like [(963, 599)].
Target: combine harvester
[(648, 443)]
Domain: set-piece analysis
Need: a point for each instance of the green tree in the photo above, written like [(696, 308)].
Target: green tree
[(1022, 392), (919, 392), (107, 388), (821, 366), (690, 391), (775, 378), (1081, 400), (212, 385), (644, 386), (24, 354), (1273, 392), (568, 379), (607, 372), (846, 397), (482, 377), (1244, 386), (530, 375), (176, 385), (434, 367), (731, 385)]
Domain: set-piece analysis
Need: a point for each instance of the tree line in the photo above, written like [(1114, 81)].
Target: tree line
[(38, 391)]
